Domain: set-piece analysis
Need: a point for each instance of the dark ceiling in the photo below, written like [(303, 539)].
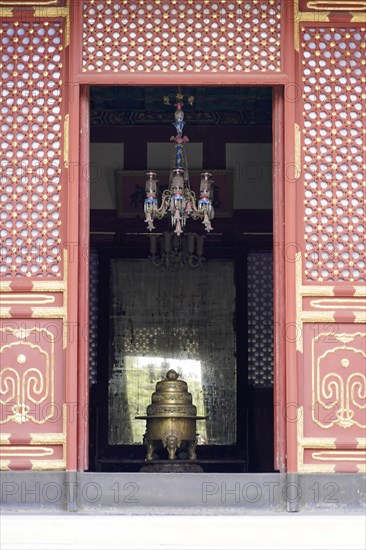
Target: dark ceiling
[(145, 104)]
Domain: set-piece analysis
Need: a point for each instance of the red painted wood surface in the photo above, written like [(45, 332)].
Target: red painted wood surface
[(318, 59)]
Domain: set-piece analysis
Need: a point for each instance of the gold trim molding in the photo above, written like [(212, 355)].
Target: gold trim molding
[(62, 12), (41, 9), (13, 297), (319, 293), (25, 451), (312, 443), (48, 438), (320, 14), (297, 151), (49, 312), (39, 438), (340, 456), (29, 4), (40, 465), (38, 286), (66, 140), (336, 5), (5, 313), (352, 303), (26, 299)]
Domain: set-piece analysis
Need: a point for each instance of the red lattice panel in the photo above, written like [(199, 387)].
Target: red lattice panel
[(334, 153), (181, 35), (30, 120)]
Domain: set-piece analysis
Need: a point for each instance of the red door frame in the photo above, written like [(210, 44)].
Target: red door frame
[(284, 96)]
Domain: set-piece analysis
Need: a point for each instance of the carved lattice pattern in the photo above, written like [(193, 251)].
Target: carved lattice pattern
[(30, 121), (93, 316), (181, 35), (260, 318), (334, 153)]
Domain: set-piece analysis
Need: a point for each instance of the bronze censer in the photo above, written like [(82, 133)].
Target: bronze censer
[(171, 418)]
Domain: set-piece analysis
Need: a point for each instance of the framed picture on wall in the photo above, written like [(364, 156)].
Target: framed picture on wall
[(130, 191)]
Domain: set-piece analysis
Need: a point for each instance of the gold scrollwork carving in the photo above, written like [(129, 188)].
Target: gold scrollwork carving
[(338, 392), (30, 387)]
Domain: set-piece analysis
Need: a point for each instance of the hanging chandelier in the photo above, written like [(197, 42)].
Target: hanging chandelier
[(179, 200)]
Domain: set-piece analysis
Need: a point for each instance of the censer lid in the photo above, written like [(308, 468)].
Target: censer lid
[(171, 384), (171, 399)]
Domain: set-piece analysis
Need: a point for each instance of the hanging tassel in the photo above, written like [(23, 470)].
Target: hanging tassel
[(177, 216), (207, 223), (178, 228), (189, 207), (149, 221)]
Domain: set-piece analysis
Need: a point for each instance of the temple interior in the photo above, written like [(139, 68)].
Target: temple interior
[(210, 319)]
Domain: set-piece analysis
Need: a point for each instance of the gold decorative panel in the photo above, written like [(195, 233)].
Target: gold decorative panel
[(181, 36), (339, 382), (31, 391)]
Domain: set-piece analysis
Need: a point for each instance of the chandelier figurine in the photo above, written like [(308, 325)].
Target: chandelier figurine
[(179, 200)]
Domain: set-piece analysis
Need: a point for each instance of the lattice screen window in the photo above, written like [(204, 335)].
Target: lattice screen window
[(334, 153), (30, 120), (260, 318), (181, 35), (93, 315)]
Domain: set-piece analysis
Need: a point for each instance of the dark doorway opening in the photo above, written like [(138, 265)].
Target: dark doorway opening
[(230, 133)]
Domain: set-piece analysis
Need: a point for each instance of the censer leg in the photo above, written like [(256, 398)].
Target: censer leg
[(192, 450), (150, 449), (171, 443)]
